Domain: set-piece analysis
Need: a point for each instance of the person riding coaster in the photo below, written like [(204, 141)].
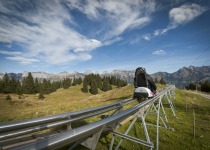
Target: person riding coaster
[(144, 85)]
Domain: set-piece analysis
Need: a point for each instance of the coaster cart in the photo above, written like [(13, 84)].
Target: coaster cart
[(143, 92), (144, 85)]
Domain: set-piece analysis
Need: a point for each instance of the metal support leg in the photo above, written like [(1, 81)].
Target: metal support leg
[(126, 133), (92, 141), (112, 142), (145, 130), (156, 110), (164, 113), (158, 116), (171, 105)]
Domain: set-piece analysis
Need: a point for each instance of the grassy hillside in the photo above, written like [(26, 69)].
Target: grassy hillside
[(182, 137), (63, 100), (73, 99)]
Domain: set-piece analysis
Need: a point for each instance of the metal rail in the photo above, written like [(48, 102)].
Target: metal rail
[(84, 132), (4, 127)]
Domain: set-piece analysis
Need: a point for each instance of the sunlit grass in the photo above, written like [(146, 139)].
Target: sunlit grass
[(67, 100), (63, 100), (182, 137)]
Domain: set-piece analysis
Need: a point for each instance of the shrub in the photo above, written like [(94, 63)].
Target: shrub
[(8, 97), (41, 96)]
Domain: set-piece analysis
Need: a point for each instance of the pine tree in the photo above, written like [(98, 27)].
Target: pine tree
[(36, 84), (156, 80), (12, 85), (105, 86), (66, 83), (8, 97), (99, 81), (28, 84), (19, 89), (74, 82), (6, 84), (162, 81), (46, 88), (1, 86), (205, 87), (79, 81), (93, 87), (113, 80), (85, 87), (41, 96)]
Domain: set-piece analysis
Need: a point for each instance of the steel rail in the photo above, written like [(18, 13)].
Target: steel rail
[(15, 125), (73, 135), (16, 133)]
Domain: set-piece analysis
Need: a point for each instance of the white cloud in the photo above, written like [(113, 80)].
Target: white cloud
[(43, 33), (159, 52), (10, 53), (118, 16), (111, 41), (181, 15), (147, 37), (185, 13), (44, 29), (23, 60)]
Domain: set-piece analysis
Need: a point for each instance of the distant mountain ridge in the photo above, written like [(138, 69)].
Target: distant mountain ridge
[(185, 75), (180, 78)]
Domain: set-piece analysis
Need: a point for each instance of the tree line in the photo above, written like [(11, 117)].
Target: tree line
[(93, 82), (161, 81), (202, 86), (29, 85)]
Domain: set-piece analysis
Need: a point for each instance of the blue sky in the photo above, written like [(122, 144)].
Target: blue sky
[(81, 35)]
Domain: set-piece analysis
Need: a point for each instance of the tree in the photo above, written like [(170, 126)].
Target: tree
[(19, 89), (162, 81), (113, 80), (36, 84), (85, 87), (8, 97), (105, 86), (191, 86), (74, 82), (93, 87), (205, 87), (6, 84), (1, 86), (99, 81), (66, 83), (156, 80), (12, 85), (28, 84), (41, 96), (79, 81)]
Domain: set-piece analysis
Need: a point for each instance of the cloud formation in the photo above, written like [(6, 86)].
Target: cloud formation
[(46, 30), (41, 30), (181, 15), (159, 52), (10, 53), (178, 16), (118, 16), (185, 13), (147, 37)]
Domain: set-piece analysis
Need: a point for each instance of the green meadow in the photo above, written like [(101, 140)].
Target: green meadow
[(191, 130)]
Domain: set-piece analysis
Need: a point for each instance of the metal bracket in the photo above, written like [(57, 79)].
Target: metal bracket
[(92, 141)]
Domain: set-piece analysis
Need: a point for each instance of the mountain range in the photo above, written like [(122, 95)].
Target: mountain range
[(180, 78)]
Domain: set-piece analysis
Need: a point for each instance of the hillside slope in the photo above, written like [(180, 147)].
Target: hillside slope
[(65, 100)]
